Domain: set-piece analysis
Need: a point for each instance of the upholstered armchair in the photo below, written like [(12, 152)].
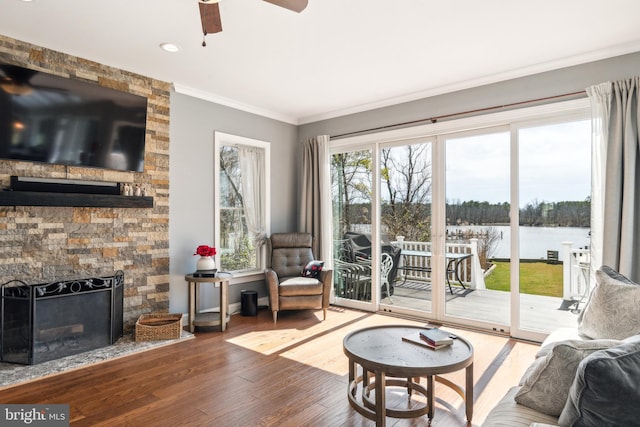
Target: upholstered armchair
[(287, 255)]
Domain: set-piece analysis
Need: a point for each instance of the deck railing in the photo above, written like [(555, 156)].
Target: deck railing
[(575, 261), (469, 271), (576, 272)]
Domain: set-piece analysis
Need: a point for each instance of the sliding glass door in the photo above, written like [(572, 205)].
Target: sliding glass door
[(477, 184), (482, 225), (516, 255), (554, 184), (353, 254), (406, 187)]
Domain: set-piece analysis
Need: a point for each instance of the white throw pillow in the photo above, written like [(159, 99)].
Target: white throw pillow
[(558, 335), (613, 310), (545, 385)]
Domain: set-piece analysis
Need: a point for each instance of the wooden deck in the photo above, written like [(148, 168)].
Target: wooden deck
[(537, 312)]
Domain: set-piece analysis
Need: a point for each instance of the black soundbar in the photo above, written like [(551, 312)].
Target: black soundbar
[(54, 185)]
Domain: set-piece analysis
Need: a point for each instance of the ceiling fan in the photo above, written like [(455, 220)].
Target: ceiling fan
[(210, 13), (14, 80)]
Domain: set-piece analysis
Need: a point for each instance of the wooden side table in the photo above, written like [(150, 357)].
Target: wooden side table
[(208, 318)]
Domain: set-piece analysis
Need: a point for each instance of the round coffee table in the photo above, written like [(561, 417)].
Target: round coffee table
[(384, 356)]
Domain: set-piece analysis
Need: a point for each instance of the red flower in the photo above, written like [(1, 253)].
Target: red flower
[(204, 250)]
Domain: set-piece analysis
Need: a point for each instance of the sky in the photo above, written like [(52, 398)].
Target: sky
[(554, 160)]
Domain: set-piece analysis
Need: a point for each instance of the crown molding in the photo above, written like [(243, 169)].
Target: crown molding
[(227, 102)]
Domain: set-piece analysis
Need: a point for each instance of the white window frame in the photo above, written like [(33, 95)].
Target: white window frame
[(225, 139)]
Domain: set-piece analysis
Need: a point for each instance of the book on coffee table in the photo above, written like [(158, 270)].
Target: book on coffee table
[(417, 338), (436, 336)]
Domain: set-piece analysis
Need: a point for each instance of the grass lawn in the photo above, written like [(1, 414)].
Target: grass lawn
[(536, 278)]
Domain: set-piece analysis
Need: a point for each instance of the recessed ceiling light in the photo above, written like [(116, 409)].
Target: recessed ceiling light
[(169, 47)]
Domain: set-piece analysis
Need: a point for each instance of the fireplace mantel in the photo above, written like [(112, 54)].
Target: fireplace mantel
[(37, 198)]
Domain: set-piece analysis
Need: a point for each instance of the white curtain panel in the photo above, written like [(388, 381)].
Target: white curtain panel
[(620, 169), (252, 167), (600, 97)]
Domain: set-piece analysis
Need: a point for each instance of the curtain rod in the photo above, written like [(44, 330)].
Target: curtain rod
[(434, 119)]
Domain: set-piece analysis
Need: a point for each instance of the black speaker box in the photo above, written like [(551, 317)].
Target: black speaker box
[(53, 185)]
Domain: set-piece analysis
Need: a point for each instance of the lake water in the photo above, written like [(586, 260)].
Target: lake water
[(536, 241)]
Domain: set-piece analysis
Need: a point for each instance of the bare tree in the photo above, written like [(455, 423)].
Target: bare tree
[(351, 180), (406, 176), (487, 243), (232, 220), (230, 167)]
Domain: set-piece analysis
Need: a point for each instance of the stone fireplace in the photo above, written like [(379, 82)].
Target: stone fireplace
[(49, 321), (40, 244)]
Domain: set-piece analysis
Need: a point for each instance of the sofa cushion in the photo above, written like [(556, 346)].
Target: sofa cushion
[(298, 285), (545, 385), (596, 344), (508, 413), (558, 335), (612, 309), (605, 391), (613, 275)]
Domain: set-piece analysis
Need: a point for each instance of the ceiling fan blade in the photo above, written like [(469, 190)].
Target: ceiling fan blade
[(17, 74), (210, 17), (294, 5)]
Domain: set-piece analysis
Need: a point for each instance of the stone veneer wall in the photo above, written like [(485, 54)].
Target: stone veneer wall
[(41, 244)]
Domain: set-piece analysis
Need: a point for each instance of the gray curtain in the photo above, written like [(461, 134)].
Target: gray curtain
[(621, 186), (315, 203)]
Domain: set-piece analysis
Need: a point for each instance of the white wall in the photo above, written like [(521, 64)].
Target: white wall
[(192, 181)]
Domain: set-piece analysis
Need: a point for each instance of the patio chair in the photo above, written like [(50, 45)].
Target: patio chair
[(386, 264), (360, 250), (354, 278)]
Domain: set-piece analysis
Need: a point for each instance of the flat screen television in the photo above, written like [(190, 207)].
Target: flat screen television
[(58, 120)]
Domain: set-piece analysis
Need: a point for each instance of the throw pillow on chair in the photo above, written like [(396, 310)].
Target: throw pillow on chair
[(313, 269)]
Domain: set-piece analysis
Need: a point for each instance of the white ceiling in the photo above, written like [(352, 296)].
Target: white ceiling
[(337, 56)]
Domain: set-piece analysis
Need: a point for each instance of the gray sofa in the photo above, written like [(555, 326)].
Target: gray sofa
[(584, 376)]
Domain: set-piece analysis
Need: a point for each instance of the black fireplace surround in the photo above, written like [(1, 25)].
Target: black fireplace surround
[(51, 320)]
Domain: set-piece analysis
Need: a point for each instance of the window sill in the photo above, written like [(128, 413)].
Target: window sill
[(246, 277)]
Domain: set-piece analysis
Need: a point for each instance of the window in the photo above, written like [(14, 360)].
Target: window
[(242, 202)]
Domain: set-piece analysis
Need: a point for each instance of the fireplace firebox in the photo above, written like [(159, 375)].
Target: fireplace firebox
[(51, 320)]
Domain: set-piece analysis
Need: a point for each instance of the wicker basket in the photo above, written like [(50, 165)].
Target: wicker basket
[(161, 326)]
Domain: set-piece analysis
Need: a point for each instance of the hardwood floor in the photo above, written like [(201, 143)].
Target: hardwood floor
[(260, 374)]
